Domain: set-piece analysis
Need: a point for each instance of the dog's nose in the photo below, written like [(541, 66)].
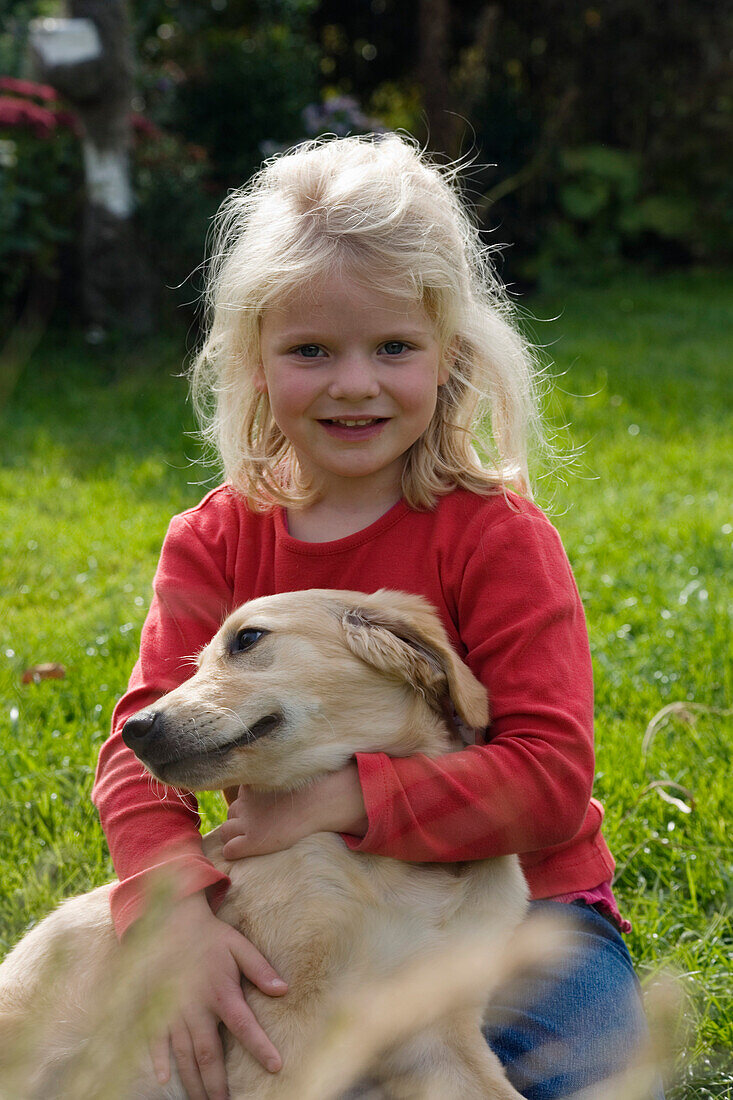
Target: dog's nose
[(141, 729)]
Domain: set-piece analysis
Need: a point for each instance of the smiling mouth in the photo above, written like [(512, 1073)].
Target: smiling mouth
[(355, 422)]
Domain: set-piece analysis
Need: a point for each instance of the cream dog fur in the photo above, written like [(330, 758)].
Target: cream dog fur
[(290, 688)]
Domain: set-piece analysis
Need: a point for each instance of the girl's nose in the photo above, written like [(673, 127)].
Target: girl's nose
[(354, 378)]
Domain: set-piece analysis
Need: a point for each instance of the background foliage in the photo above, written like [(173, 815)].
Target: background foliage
[(594, 135)]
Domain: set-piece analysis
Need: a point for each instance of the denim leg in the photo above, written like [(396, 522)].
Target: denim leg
[(575, 1022)]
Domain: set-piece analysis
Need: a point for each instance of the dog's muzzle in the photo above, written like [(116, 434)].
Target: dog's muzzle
[(156, 739)]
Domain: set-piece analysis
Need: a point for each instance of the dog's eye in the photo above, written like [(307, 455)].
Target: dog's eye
[(245, 639)]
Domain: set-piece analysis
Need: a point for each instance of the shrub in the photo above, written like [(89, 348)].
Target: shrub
[(40, 181), (602, 213)]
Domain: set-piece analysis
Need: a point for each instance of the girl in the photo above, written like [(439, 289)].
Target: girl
[(356, 330)]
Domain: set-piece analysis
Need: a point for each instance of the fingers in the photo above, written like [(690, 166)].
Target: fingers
[(263, 832), (244, 1027), (237, 847), (228, 830), (218, 956), (161, 1058), (234, 832), (237, 808), (236, 1013), (198, 1051), (200, 1059), (256, 967)]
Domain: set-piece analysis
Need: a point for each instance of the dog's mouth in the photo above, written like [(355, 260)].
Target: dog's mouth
[(261, 728), (190, 762)]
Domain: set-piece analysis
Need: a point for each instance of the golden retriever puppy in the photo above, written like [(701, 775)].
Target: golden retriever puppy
[(290, 688)]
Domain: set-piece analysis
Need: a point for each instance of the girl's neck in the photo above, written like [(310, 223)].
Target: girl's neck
[(334, 517), (346, 504)]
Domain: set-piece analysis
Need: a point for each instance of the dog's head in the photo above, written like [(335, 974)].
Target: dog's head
[(293, 685)]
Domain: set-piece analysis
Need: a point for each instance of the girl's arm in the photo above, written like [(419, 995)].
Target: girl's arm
[(147, 825), (526, 791)]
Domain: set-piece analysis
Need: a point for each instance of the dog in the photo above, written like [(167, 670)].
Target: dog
[(290, 688)]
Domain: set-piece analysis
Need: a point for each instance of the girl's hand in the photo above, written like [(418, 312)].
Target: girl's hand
[(262, 822), (217, 955)]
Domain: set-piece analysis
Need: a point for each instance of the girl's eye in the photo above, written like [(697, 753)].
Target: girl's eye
[(394, 347), (245, 639), (309, 351)]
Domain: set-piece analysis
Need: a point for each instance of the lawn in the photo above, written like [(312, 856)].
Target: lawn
[(95, 458)]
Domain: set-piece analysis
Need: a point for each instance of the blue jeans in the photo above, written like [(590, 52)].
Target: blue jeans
[(575, 1022)]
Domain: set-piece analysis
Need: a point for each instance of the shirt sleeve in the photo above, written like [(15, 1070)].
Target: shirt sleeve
[(150, 827), (521, 621)]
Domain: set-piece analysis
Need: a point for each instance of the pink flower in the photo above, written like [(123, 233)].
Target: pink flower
[(28, 88), (142, 125), (69, 121), (18, 112)]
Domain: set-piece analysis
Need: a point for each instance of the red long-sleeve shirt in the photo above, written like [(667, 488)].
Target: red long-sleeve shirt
[(497, 573)]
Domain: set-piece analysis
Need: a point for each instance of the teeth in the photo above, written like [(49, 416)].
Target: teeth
[(356, 423)]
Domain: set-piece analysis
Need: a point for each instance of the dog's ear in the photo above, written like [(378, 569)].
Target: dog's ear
[(414, 647)]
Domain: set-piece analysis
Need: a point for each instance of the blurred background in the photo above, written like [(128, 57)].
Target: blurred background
[(594, 136)]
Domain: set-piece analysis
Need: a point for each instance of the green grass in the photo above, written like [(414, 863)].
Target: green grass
[(94, 460)]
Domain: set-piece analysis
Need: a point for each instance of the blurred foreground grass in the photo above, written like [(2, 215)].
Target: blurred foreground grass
[(94, 460)]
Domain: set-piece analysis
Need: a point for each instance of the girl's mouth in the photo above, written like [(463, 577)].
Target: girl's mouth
[(361, 427)]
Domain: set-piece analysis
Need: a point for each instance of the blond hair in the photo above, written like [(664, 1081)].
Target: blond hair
[(376, 208)]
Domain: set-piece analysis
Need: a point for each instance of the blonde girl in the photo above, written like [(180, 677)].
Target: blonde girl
[(356, 337)]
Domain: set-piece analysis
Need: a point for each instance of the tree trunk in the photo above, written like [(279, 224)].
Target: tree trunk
[(88, 58)]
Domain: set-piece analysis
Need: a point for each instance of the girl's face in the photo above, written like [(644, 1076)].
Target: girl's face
[(352, 376)]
